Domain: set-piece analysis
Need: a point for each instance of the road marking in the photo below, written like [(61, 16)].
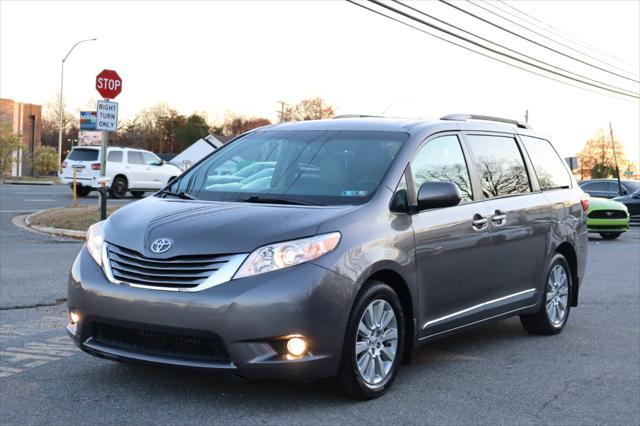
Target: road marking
[(38, 200), (39, 193), (35, 354), (17, 211)]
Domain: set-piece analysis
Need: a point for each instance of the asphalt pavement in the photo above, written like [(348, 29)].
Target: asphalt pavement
[(495, 374)]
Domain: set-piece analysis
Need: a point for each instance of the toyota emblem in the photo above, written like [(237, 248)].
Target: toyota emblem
[(161, 245)]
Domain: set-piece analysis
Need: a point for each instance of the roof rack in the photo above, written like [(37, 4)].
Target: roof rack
[(357, 116), (466, 117)]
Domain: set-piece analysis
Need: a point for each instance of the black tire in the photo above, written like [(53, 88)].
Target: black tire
[(349, 376), (137, 194), (118, 187), (82, 191), (610, 235), (539, 322)]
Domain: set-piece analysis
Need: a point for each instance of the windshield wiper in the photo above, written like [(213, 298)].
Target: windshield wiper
[(183, 195), (267, 200)]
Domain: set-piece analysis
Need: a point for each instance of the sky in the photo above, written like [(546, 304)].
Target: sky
[(244, 56)]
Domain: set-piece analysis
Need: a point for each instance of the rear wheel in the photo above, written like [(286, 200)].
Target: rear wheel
[(82, 191), (610, 235), (555, 307), (118, 187), (373, 343), (137, 194)]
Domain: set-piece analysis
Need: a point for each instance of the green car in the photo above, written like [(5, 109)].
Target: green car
[(607, 217)]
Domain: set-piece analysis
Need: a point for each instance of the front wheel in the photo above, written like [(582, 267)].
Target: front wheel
[(373, 343), (610, 235), (556, 302)]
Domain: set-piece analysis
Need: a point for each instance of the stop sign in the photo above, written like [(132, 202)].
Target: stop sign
[(109, 84)]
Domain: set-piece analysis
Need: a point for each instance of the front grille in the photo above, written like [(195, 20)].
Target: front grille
[(608, 214), (176, 272), (154, 343)]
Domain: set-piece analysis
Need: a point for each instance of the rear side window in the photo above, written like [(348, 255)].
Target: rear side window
[(84, 155), (134, 157), (548, 166), (115, 156), (500, 165), (596, 186), (441, 159)]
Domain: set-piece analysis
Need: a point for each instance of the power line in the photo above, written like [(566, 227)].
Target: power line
[(450, 33), (488, 56), (534, 41), (511, 50), (544, 36), (559, 32)]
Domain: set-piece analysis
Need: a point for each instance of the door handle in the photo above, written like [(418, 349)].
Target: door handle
[(479, 222), (499, 218)]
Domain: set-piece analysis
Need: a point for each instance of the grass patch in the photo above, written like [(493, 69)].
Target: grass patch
[(79, 219)]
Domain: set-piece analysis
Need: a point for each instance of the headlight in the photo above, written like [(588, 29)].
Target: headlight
[(290, 253), (95, 241)]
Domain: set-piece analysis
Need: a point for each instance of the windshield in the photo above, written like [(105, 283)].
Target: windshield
[(632, 185), (318, 167)]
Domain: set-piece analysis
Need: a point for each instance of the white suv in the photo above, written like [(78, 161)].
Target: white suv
[(133, 170)]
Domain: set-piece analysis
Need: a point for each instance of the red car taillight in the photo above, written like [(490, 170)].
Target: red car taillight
[(95, 166), (585, 204), (64, 164)]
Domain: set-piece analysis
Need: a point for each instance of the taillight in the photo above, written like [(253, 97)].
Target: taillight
[(585, 204), (95, 166), (64, 164)]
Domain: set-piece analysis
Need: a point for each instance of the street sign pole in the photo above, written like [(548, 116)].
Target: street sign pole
[(103, 174), (109, 85)]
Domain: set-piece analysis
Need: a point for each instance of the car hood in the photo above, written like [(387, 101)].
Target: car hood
[(200, 227), (604, 204)]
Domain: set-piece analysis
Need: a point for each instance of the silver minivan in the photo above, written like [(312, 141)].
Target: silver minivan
[(332, 248)]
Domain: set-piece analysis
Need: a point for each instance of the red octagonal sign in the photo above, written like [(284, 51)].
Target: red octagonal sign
[(109, 84)]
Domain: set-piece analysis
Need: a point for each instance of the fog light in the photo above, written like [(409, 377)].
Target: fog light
[(74, 317), (296, 346)]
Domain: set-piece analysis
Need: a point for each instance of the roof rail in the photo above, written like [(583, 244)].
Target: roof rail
[(466, 117), (357, 116)]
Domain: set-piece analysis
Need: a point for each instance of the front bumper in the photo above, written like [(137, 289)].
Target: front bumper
[(250, 316), (608, 225)]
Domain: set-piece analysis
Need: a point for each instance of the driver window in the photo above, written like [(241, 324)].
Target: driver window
[(441, 159), (150, 159)]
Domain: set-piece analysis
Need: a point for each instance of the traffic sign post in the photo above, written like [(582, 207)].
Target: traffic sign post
[(109, 85)]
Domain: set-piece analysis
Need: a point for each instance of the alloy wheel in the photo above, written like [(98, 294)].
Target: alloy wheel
[(557, 295), (376, 342)]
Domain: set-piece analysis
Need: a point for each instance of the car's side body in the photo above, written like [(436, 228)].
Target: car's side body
[(143, 170), (608, 188), (632, 201), (451, 267)]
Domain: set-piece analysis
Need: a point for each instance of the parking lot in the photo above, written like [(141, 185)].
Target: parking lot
[(494, 374)]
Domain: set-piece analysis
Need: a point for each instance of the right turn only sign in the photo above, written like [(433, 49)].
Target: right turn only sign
[(107, 116)]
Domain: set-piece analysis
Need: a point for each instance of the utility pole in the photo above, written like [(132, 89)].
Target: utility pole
[(283, 104), (615, 158)]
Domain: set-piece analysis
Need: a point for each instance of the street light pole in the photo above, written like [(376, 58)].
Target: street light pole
[(60, 112)]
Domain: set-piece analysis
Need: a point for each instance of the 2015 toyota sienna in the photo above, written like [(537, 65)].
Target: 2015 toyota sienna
[(334, 247)]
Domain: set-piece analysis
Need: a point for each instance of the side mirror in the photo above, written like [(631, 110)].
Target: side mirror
[(433, 195)]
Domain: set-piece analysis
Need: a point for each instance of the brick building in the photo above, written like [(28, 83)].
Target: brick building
[(27, 120)]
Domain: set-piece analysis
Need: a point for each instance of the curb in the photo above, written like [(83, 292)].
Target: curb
[(55, 232), (27, 182)]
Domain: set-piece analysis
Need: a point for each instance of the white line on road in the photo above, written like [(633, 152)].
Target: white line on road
[(38, 200)]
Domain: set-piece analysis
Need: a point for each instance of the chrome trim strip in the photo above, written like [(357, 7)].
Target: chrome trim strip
[(477, 307), (222, 275), (504, 314)]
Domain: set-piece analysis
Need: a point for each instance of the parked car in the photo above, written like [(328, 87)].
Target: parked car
[(333, 248), (632, 201), (133, 170), (608, 188), (607, 217)]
